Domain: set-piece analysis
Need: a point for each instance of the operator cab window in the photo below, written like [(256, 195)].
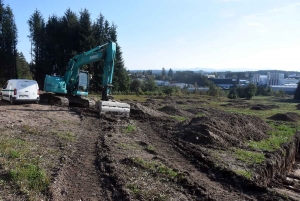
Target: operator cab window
[(83, 81)]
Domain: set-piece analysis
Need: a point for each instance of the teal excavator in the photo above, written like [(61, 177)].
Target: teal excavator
[(72, 88)]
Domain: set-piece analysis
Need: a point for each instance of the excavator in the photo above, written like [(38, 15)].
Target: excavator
[(72, 88)]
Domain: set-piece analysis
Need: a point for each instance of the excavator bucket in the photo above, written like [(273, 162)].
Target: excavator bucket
[(113, 107)]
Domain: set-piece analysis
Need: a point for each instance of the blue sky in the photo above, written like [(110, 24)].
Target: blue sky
[(187, 34)]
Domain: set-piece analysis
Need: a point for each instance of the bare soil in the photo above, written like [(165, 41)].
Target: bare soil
[(161, 158)]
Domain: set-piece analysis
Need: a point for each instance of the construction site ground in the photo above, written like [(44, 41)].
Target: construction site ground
[(170, 148)]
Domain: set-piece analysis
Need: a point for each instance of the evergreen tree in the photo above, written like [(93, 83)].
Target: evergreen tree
[(163, 73), (37, 27), (297, 92), (8, 43), (170, 73), (23, 67)]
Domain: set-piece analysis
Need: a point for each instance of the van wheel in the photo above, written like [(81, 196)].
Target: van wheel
[(12, 101)]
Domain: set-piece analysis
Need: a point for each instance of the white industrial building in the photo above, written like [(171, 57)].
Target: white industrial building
[(270, 79)]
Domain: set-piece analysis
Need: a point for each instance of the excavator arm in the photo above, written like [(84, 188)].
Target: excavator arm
[(72, 74)]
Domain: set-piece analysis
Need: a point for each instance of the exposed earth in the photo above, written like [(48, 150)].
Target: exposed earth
[(152, 155)]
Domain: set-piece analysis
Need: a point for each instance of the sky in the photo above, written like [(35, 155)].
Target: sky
[(236, 35)]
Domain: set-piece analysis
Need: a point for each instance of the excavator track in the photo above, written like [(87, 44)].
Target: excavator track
[(67, 101)]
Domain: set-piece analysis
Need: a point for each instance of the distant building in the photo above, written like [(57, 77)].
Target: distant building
[(270, 79), (225, 83), (162, 83), (180, 85)]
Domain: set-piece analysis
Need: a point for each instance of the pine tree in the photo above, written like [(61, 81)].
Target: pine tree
[(8, 43), (37, 28)]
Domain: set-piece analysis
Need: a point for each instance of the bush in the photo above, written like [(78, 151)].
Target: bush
[(233, 94)]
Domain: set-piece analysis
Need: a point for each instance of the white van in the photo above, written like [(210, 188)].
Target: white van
[(20, 90)]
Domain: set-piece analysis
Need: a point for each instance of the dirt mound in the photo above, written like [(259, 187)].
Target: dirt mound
[(139, 111), (222, 129), (172, 110), (264, 107), (237, 104), (289, 116)]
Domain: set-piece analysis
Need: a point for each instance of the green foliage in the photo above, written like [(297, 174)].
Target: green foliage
[(244, 173), (156, 167), (149, 84), (250, 91), (213, 91), (168, 90), (297, 92), (53, 45), (136, 85), (30, 176), (179, 118), (22, 168), (249, 156), (233, 94), (130, 128), (8, 44), (279, 93), (280, 135), (264, 91)]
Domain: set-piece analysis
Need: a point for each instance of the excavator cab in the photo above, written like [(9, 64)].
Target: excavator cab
[(83, 81)]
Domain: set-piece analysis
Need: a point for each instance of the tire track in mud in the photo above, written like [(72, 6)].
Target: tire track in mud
[(197, 183), (78, 178)]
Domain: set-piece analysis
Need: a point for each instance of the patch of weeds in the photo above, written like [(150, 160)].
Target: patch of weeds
[(150, 149), (249, 156), (29, 130), (244, 173), (179, 118), (155, 167), (130, 128), (147, 195), (200, 115), (14, 154), (69, 136), (22, 166), (135, 189), (29, 177), (279, 135)]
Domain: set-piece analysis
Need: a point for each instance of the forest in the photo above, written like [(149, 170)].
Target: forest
[(54, 41)]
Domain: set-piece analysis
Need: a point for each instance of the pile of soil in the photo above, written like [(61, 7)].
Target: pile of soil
[(221, 129), (264, 107), (138, 111), (237, 104), (172, 110), (289, 116)]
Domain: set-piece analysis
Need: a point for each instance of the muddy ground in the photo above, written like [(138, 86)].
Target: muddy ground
[(152, 155)]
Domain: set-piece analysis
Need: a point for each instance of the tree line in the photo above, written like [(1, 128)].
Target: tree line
[(54, 41)]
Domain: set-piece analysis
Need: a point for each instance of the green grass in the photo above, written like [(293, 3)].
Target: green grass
[(130, 128), (150, 149), (244, 173), (249, 157), (68, 136), (179, 118), (22, 167), (147, 195), (29, 177), (279, 135), (156, 167), (29, 130)]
